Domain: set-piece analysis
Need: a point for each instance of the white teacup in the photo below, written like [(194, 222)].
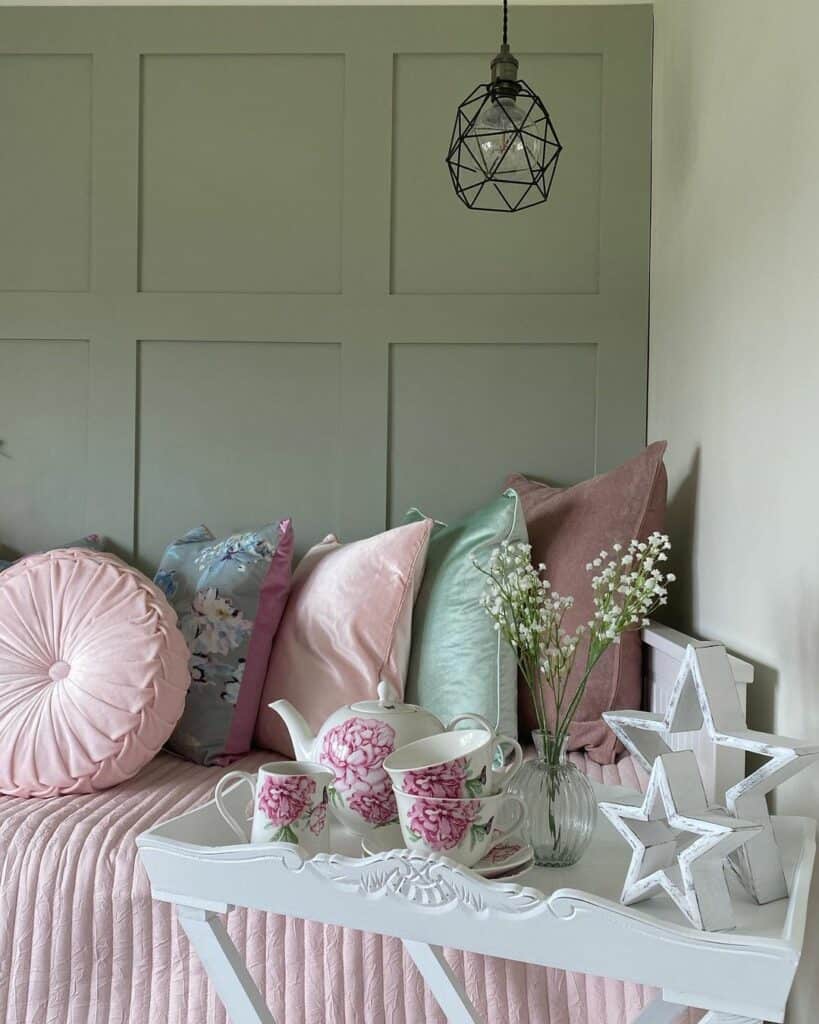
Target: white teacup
[(289, 805), (463, 830), (459, 763)]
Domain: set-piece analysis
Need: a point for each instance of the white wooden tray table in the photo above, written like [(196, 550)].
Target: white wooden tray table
[(564, 918)]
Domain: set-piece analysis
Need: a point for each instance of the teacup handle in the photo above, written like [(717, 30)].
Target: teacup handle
[(501, 777), (500, 833), (471, 716), (220, 805)]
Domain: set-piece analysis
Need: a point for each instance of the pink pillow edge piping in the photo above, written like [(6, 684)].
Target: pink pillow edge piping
[(272, 600)]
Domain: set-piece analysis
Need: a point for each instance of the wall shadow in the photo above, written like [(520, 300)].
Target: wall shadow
[(681, 528), (761, 711)]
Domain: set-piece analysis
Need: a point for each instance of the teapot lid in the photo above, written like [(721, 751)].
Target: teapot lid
[(387, 702)]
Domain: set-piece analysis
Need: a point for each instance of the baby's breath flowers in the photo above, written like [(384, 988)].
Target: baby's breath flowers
[(629, 584)]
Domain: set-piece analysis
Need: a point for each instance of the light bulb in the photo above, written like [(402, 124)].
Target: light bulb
[(501, 148)]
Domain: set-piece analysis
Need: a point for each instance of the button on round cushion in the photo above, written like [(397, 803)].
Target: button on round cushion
[(93, 673)]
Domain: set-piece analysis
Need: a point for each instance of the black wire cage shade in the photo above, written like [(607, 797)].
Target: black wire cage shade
[(504, 149)]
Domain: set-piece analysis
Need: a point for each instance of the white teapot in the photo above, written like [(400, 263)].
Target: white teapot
[(353, 743)]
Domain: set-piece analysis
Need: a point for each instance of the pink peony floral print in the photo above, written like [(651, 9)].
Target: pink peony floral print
[(441, 825), (284, 798), (376, 804), (445, 780), (318, 819), (354, 751), (503, 851)]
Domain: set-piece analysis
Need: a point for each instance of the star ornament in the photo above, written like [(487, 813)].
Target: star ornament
[(705, 696), (678, 844)]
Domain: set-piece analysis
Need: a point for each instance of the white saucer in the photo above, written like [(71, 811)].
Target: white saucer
[(510, 857)]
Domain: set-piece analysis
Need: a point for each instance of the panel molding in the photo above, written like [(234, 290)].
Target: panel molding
[(363, 318), (53, 402), (33, 197), (569, 82), (241, 81), (233, 435), (527, 405)]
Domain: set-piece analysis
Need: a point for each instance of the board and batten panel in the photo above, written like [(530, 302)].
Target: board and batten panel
[(45, 171), (241, 183), (553, 248), (234, 435), (43, 444), (260, 195), (462, 417)]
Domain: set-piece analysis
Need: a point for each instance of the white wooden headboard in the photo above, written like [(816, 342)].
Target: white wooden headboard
[(663, 651)]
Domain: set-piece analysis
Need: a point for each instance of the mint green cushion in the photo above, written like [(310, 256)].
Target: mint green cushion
[(458, 663)]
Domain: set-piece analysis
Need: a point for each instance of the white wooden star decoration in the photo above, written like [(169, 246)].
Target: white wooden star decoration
[(678, 844), (705, 695)]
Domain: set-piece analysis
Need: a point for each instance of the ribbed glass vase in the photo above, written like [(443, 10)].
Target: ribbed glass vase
[(560, 804)]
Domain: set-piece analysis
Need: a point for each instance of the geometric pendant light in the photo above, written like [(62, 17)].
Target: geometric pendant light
[(504, 149)]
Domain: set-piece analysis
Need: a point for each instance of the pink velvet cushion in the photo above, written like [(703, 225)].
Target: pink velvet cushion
[(93, 673), (347, 625), (568, 528)]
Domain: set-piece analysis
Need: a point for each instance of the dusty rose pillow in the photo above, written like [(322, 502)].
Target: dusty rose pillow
[(347, 625), (93, 673), (568, 527)]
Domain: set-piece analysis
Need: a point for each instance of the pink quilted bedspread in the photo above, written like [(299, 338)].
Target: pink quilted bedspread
[(82, 942)]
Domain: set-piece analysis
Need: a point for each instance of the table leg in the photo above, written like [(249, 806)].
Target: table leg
[(448, 991), (224, 966)]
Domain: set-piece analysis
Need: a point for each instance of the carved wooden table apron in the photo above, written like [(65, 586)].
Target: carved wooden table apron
[(565, 918)]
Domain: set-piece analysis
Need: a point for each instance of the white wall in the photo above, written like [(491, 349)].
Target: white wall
[(734, 349)]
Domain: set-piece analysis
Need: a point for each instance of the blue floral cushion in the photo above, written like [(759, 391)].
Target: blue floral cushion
[(217, 587)]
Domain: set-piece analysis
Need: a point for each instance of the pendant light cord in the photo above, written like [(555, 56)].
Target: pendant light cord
[(505, 22)]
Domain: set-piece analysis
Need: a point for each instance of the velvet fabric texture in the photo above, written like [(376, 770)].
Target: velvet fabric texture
[(458, 663), (93, 673), (230, 595), (568, 527), (347, 625), (91, 542)]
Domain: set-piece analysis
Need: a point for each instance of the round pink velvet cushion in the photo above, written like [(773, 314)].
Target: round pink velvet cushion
[(93, 673)]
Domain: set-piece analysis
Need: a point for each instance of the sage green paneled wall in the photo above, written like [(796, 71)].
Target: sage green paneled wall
[(235, 282)]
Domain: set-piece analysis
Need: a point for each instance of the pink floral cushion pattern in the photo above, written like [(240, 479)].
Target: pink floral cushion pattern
[(93, 673), (347, 625)]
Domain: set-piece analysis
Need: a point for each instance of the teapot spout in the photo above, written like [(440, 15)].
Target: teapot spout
[(300, 734)]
